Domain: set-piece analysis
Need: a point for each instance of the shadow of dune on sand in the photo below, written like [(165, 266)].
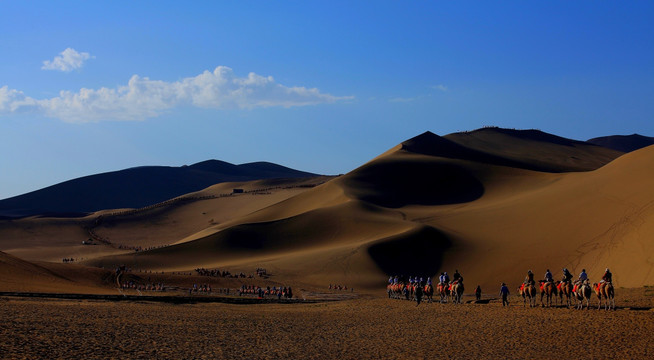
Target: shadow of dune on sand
[(395, 184), (417, 252)]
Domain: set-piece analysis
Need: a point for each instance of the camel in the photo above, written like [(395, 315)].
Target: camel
[(528, 292), (444, 291), (565, 288), (429, 292), (583, 293), (547, 289), (605, 290), (396, 291), (457, 292)]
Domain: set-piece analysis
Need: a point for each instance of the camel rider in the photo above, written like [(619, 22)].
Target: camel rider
[(457, 277), (583, 276), (429, 281), (390, 279), (566, 275), (422, 281), (395, 280), (529, 280), (548, 276), (446, 278), (608, 277)]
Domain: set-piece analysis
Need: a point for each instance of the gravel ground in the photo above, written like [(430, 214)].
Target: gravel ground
[(367, 327)]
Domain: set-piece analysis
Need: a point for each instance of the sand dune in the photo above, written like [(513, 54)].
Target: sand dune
[(492, 203), (22, 276)]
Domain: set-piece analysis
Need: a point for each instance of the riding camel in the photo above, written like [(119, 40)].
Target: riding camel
[(565, 288), (547, 290), (429, 292), (605, 291), (528, 292), (582, 293), (396, 291), (443, 291), (457, 292)]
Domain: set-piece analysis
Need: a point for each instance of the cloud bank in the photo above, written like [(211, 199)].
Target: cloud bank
[(68, 60), (143, 98)]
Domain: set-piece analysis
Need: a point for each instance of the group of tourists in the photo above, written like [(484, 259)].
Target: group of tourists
[(447, 287), (278, 291), (261, 272), (337, 287), (202, 288), (580, 288), (567, 277), (224, 273), (127, 285), (417, 287)]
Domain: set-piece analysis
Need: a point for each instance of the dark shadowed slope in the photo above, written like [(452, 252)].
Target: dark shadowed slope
[(533, 150), (624, 143), (136, 187)]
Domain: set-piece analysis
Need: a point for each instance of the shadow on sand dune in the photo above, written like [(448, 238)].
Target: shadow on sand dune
[(395, 184), (416, 253)]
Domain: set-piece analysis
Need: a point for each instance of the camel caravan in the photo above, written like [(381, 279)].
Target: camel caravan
[(565, 292), (415, 289), (568, 290)]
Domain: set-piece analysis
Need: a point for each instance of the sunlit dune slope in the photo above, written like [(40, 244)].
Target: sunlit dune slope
[(52, 239), (592, 220)]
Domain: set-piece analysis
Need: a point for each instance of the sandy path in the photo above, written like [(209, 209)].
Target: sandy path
[(362, 328)]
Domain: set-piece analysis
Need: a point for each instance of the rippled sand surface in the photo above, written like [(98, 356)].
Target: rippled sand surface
[(367, 327)]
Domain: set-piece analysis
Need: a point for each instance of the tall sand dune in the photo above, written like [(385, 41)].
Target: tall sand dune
[(491, 203)]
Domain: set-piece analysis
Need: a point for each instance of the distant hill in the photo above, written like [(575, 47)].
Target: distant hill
[(533, 150), (624, 143), (136, 187)]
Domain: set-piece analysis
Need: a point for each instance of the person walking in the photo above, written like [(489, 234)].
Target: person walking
[(504, 293)]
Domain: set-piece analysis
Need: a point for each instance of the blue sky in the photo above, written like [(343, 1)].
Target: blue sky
[(90, 87)]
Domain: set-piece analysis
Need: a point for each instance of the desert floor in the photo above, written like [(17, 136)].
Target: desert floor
[(369, 326)]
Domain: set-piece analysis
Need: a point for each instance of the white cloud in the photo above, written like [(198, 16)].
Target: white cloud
[(143, 98), (13, 101), (67, 60), (440, 87)]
